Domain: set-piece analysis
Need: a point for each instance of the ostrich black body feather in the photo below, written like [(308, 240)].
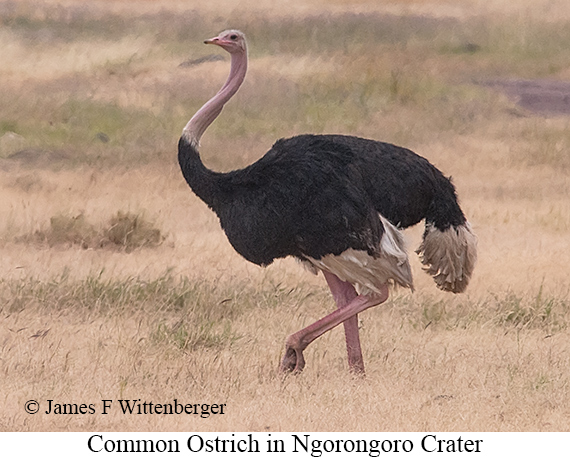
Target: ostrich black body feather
[(314, 195)]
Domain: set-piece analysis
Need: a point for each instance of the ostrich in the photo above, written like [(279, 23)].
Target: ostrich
[(337, 204)]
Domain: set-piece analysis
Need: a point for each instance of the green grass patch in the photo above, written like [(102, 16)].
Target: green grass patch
[(184, 313), (539, 312), (192, 313), (509, 311), (191, 336), (92, 132)]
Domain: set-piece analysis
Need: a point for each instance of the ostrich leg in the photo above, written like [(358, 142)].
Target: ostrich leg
[(343, 293), (297, 342)]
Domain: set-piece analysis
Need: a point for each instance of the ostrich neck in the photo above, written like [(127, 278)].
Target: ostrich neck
[(205, 182), (210, 111)]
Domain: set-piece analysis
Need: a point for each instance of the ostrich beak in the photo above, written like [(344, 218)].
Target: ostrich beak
[(214, 40)]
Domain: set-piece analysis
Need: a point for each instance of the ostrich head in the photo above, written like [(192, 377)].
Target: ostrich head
[(233, 41)]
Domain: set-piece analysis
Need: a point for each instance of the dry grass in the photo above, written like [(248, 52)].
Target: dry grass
[(126, 231), (91, 106)]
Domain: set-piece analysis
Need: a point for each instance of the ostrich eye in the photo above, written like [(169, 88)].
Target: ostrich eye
[(234, 37)]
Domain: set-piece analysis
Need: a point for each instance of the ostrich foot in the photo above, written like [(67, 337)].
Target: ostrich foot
[(293, 360), (355, 360)]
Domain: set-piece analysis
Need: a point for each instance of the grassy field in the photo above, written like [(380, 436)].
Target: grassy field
[(116, 282)]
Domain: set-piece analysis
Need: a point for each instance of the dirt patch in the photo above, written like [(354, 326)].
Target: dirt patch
[(539, 96)]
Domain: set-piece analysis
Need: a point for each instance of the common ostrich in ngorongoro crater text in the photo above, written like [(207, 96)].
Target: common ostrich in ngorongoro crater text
[(336, 203)]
